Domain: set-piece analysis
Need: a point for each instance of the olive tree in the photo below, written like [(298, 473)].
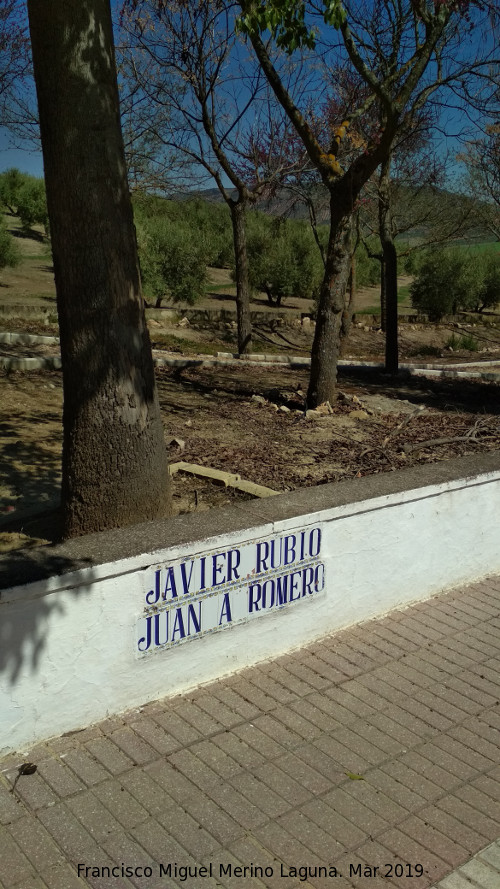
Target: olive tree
[(198, 94), (482, 160), (404, 52)]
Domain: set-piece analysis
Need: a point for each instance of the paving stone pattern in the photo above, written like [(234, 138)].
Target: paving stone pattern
[(481, 872), (374, 751)]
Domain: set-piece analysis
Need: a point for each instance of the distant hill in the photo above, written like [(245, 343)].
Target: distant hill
[(282, 203), (285, 203)]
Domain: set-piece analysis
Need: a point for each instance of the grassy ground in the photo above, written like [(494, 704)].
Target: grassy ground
[(27, 300), (404, 301), (483, 247), (172, 343), (31, 282)]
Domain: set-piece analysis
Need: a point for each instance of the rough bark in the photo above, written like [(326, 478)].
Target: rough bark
[(241, 269), (389, 270), (348, 313), (391, 289), (114, 458), (383, 295), (329, 317)]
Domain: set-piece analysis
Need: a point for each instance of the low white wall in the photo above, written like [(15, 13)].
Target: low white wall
[(70, 646)]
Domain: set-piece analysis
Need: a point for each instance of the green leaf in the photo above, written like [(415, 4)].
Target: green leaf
[(354, 777), (334, 13), (285, 19)]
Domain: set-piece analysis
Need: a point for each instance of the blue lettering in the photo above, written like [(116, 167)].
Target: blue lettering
[(264, 593), (233, 569), (294, 583), (319, 577), (178, 625), (225, 610), (186, 581), (262, 559), (202, 572), (170, 586), (193, 617), (275, 561), (289, 549), (307, 584), (302, 538), (164, 615), (217, 569), (147, 637), (282, 589), (253, 602), (153, 595), (314, 541)]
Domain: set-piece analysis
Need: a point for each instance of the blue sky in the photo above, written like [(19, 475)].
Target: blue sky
[(30, 161), (26, 161)]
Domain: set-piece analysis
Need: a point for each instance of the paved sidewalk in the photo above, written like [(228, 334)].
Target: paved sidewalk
[(481, 872), (375, 751)]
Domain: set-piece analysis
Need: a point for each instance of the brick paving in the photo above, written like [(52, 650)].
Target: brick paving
[(375, 751), (481, 872)]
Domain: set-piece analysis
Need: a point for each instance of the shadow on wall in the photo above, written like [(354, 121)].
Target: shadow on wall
[(25, 623)]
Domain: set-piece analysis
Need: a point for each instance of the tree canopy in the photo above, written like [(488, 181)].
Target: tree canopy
[(401, 56)]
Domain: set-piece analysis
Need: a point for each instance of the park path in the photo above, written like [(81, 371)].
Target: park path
[(376, 747)]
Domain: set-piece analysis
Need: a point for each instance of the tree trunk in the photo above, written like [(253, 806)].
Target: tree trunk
[(391, 285), (383, 295), (332, 303), (390, 270), (242, 286), (114, 458), (348, 313), (268, 292)]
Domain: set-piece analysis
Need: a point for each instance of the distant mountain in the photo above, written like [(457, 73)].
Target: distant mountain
[(285, 203), (282, 203)]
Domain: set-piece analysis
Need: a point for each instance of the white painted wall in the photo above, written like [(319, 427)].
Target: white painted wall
[(76, 662)]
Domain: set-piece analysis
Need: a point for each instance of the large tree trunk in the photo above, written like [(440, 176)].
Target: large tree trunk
[(114, 458), (389, 269), (241, 268), (331, 306)]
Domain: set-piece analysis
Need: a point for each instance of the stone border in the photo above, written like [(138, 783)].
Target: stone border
[(294, 362), (20, 364), (233, 358), (29, 339)]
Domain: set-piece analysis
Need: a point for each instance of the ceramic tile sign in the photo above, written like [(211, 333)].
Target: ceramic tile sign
[(213, 591)]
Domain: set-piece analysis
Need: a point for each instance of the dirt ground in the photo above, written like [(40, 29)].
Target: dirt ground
[(251, 422), (245, 420)]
